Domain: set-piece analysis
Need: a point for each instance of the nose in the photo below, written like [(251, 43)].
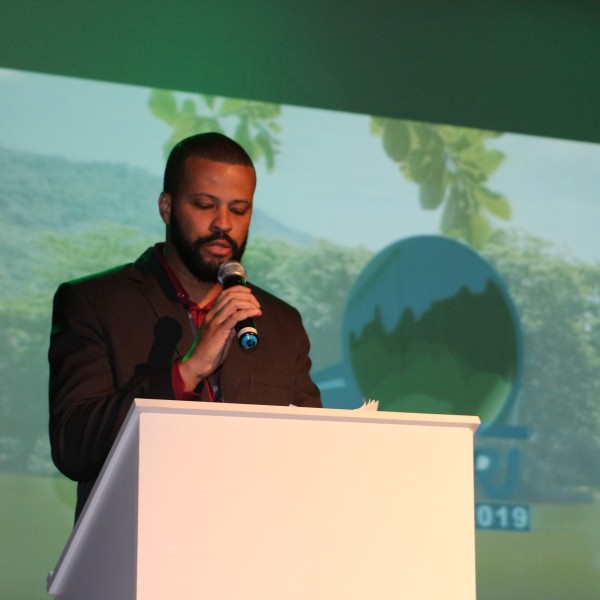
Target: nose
[(222, 220)]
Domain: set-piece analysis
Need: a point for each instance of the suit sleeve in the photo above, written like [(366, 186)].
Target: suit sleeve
[(87, 406), (306, 393)]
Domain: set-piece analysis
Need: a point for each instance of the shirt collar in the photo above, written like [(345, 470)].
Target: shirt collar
[(182, 294)]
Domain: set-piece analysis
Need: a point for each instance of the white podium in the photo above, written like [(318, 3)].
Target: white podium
[(228, 501)]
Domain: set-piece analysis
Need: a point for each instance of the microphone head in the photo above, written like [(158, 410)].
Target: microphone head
[(230, 268)]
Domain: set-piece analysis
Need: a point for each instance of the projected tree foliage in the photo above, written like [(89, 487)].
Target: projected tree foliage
[(253, 124), (451, 166), (558, 298)]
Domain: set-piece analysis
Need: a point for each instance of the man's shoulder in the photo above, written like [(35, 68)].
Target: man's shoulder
[(267, 299), (114, 277)]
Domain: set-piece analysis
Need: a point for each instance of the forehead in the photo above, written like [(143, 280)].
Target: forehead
[(200, 173)]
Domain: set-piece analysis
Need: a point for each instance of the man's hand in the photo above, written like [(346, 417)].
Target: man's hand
[(214, 337)]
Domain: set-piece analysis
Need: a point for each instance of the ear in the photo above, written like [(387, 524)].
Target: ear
[(165, 204)]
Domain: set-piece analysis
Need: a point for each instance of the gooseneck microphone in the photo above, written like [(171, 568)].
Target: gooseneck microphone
[(230, 274)]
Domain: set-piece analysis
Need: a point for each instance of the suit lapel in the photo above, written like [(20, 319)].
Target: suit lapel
[(158, 292)]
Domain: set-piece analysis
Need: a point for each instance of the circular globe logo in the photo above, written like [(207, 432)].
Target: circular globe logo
[(429, 327)]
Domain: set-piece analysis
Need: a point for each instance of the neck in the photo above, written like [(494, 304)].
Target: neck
[(200, 292)]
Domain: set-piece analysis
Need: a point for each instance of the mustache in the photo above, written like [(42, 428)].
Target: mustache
[(213, 238)]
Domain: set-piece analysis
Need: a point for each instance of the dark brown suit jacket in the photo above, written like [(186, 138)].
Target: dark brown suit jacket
[(114, 338)]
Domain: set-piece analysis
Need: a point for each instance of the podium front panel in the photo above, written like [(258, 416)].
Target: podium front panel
[(287, 503)]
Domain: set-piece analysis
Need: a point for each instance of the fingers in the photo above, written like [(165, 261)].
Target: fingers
[(214, 337), (233, 305)]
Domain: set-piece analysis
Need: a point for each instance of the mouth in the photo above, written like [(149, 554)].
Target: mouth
[(217, 248)]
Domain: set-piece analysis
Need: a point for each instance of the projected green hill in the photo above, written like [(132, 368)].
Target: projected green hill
[(441, 363), (430, 329)]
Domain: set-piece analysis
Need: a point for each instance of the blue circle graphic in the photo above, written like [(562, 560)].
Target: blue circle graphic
[(430, 327)]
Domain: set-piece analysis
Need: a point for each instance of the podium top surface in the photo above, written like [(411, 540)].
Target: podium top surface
[(142, 405)]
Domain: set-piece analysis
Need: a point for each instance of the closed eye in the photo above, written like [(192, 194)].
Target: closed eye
[(240, 211)]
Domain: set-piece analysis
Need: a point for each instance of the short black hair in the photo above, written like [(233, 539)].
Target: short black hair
[(211, 146)]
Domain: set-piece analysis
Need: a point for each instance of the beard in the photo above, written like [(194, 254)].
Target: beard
[(190, 251)]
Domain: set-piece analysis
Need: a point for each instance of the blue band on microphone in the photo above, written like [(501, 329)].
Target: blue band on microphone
[(248, 340)]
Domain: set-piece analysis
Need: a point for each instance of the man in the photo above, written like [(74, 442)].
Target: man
[(163, 326)]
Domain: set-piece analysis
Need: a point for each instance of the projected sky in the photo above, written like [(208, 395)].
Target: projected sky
[(330, 171)]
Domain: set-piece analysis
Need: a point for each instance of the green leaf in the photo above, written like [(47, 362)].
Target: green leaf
[(188, 107), (415, 165), (490, 160), (454, 216), (471, 153), (462, 140), (492, 202), (424, 137), (242, 137), (431, 194), (184, 126), (255, 126), (266, 144), (263, 110), (480, 161), (488, 133), (427, 166), (480, 230), (376, 125), (209, 100), (206, 124), (396, 140), (163, 105), (232, 106)]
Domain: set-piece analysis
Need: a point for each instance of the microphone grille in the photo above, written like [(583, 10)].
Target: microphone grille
[(230, 268)]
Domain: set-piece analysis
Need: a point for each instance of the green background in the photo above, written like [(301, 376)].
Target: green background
[(529, 67)]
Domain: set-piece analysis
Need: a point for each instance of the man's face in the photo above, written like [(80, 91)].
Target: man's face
[(208, 220)]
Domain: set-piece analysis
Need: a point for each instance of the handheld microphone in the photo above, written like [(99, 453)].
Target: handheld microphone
[(230, 274)]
